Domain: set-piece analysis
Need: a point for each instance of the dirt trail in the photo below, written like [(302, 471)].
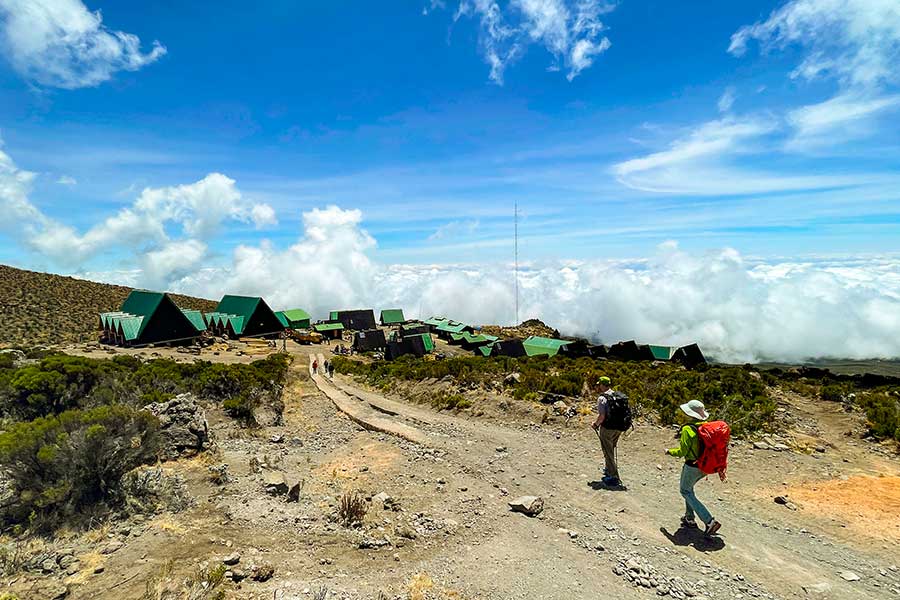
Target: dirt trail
[(446, 531), (763, 549)]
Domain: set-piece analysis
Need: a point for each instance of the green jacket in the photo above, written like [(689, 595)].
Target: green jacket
[(689, 448)]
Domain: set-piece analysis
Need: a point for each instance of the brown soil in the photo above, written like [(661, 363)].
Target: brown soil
[(868, 505)]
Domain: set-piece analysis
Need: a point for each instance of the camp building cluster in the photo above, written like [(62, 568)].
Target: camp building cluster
[(147, 318)]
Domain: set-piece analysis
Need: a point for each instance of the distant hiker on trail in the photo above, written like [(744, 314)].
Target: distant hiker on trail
[(704, 447), (331, 370), (315, 367), (613, 417), (325, 366)]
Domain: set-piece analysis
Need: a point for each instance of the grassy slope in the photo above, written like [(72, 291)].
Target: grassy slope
[(39, 308)]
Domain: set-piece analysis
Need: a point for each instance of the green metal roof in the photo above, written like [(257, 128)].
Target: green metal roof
[(142, 303), (392, 316), (242, 306), (131, 326), (333, 315), (328, 326), (537, 346), (486, 349), (452, 327), (434, 321), (296, 314), (282, 319), (196, 318), (662, 352), (237, 324)]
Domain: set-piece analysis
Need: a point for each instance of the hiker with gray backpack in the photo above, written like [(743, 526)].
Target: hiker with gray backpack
[(613, 418)]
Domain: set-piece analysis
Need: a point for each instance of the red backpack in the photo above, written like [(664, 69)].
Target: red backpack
[(714, 438)]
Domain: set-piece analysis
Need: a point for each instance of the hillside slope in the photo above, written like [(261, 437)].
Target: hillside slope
[(40, 308)]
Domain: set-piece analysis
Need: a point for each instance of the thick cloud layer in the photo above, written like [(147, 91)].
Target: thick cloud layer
[(738, 310)]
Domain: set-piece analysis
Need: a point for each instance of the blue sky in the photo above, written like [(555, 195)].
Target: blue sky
[(726, 173), (393, 110)]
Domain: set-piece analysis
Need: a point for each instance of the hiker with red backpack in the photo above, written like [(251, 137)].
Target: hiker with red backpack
[(613, 418), (704, 447)]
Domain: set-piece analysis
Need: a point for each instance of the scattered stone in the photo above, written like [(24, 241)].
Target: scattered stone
[(98, 570), (817, 589), (111, 547), (232, 559), (263, 572), (275, 483), (277, 438), (527, 505), (183, 429), (849, 576), (761, 446)]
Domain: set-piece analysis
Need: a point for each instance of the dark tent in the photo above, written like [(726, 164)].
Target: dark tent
[(576, 349), (369, 341), (414, 329), (601, 351), (414, 345), (513, 348), (690, 356), (248, 316), (358, 320), (150, 318), (630, 350)]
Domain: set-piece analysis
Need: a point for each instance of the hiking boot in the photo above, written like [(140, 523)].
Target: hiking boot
[(688, 523), (712, 528), (611, 481)]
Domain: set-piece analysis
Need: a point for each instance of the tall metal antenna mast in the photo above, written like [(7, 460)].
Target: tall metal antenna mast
[(516, 221)]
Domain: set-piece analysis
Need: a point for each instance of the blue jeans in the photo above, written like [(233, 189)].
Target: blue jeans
[(689, 478)]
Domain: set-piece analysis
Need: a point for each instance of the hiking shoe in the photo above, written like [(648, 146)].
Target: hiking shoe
[(688, 523), (713, 527), (611, 481)]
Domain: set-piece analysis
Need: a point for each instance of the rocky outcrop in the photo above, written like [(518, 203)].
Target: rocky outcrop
[(183, 429)]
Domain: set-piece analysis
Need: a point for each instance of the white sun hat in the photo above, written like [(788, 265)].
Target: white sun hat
[(695, 409)]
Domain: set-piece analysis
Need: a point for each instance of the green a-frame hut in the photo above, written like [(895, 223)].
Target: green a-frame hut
[(150, 318), (244, 316)]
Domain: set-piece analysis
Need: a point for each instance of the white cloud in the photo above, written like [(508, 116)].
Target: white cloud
[(192, 213), (726, 100), (454, 229), (60, 43), (66, 180), (736, 309), (570, 30), (854, 42), (840, 119)]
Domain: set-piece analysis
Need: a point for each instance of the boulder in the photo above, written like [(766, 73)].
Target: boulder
[(275, 483), (527, 505), (183, 429)]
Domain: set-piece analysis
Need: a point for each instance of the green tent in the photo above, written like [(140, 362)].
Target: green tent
[(392, 316), (541, 346)]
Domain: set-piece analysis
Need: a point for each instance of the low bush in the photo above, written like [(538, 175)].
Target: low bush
[(882, 414), (60, 382), (352, 509), (656, 390), (72, 463)]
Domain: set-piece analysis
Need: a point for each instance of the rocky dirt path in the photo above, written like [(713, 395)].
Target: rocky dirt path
[(765, 550)]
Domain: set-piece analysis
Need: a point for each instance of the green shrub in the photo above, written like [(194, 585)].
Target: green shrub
[(834, 392), (60, 382), (882, 415), (72, 463), (655, 390)]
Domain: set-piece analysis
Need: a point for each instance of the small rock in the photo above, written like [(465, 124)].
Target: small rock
[(527, 505), (263, 572), (849, 576), (232, 559), (275, 483), (111, 547), (761, 446)]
